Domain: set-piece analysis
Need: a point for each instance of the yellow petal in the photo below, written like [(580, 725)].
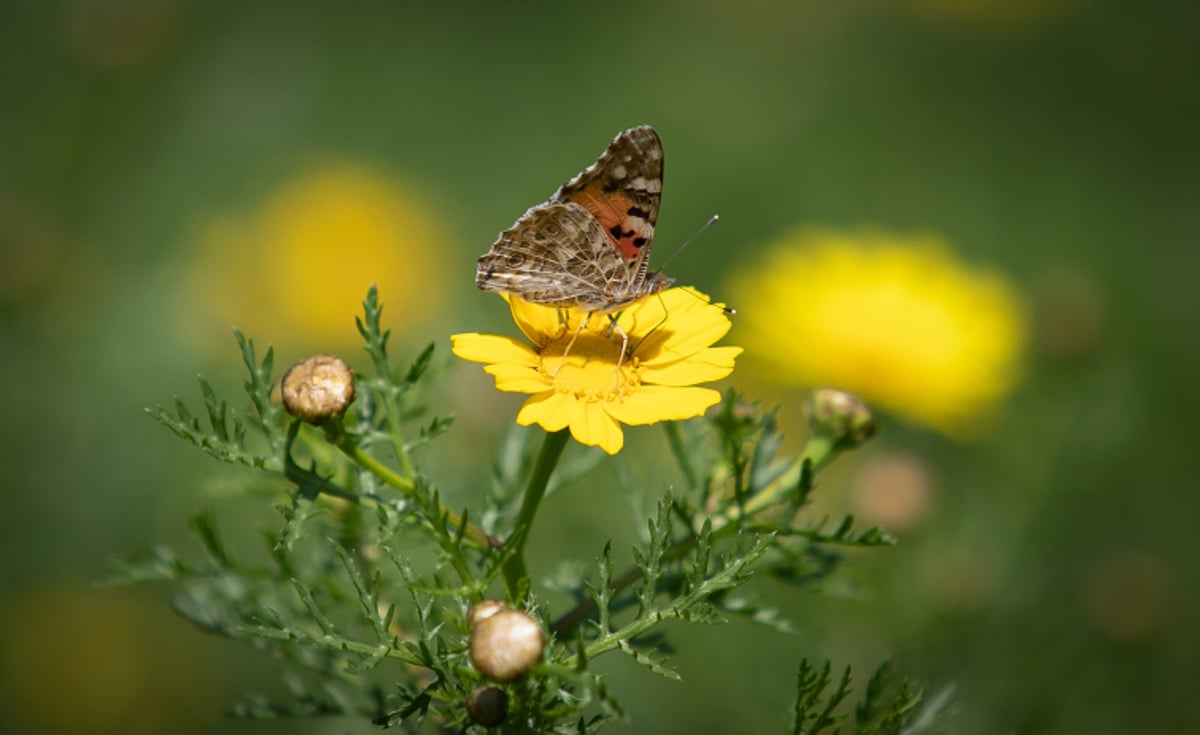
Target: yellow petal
[(517, 378), (705, 366), (538, 323), (648, 314), (642, 317), (691, 326), (592, 425), (491, 348), (650, 404), (548, 410)]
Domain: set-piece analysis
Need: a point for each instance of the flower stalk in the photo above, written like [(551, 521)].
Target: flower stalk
[(516, 577), (348, 445)]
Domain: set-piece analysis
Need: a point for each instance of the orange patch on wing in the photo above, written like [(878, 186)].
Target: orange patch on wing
[(611, 210)]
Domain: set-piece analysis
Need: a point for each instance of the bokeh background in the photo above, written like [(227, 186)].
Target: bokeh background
[(170, 167)]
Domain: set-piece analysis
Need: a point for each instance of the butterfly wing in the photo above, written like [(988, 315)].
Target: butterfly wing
[(557, 254), (622, 190), (587, 247)]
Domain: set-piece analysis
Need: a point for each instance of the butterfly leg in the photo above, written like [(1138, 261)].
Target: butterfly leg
[(567, 350), (614, 327)]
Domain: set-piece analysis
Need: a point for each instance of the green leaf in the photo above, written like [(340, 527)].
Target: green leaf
[(764, 469), (318, 615), (368, 595), (649, 661), (602, 592), (297, 515), (702, 613), (746, 609), (268, 417), (814, 710), (375, 337), (203, 525), (651, 562)]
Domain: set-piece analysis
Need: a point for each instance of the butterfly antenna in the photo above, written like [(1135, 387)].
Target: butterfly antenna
[(711, 220), (688, 241)]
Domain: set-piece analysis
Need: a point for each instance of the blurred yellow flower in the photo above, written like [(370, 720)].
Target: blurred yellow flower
[(302, 263), (593, 390), (117, 659), (898, 320)]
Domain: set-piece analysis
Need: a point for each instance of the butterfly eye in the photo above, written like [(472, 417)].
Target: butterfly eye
[(516, 259)]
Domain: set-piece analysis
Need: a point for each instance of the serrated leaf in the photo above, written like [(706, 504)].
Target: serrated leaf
[(310, 603), (429, 432), (649, 661), (368, 595), (810, 687), (763, 468), (417, 368), (702, 613), (296, 516), (602, 592), (746, 609), (205, 528)]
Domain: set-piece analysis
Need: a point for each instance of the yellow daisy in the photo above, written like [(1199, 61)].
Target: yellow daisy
[(301, 261), (896, 319), (593, 390)]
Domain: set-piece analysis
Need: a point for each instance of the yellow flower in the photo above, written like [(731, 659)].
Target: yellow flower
[(894, 319), (593, 390), (298, 266), (110, 666)]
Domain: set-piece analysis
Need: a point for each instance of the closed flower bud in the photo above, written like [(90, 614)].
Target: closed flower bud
[(505, 645), (840, 416), (484, 610), (487, 706), (318, 388)]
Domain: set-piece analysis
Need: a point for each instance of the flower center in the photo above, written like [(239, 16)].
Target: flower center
[(588, 367)]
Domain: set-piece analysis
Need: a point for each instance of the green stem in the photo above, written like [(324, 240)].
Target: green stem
[(820, 451), (675, 440), (515, 574), (479, 539), (398, 444)]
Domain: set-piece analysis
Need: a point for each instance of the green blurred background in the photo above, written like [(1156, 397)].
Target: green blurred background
[(150, 150)]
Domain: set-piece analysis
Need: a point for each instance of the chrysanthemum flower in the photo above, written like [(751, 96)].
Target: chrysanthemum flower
[(897, 320), (302, 259), (593, 390)]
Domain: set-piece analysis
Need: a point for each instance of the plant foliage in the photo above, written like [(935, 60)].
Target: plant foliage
[(368, 626)]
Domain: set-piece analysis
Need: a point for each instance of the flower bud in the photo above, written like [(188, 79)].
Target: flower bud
[(484, 610), (487, 706), (506, 645), (841, 416), (318, 388)]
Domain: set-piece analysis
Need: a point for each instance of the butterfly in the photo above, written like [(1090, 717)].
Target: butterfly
[(588, 246)]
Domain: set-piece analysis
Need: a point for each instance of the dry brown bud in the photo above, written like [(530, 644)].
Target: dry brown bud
[(506, 645), (483, 610), (487, 706), (318, 388)]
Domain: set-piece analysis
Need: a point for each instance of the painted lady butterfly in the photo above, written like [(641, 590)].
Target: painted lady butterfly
[(588, 247)]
